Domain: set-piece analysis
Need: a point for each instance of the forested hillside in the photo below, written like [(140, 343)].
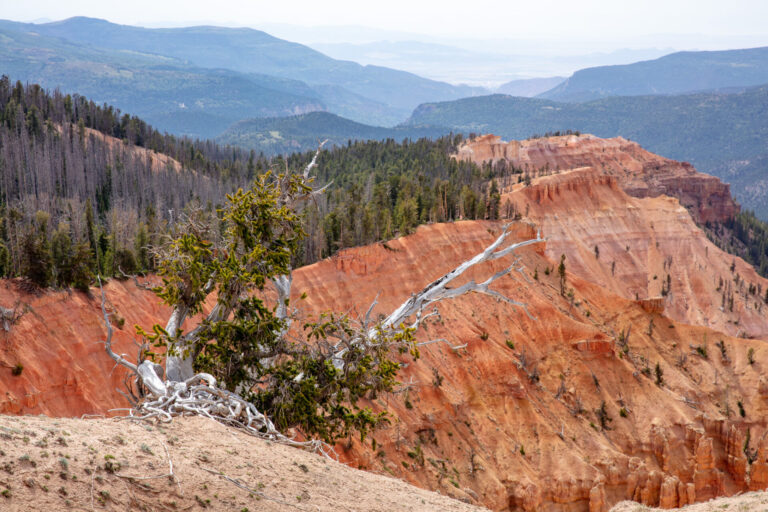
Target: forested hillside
[(745, 235), (87, 189), (382, 189), (285, 135), (81, 192)]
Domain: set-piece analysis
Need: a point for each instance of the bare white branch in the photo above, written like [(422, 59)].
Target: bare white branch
[(313, 163), (108, 342), (439, 290)]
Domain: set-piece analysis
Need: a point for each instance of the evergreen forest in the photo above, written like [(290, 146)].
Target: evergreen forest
[(87, 190)]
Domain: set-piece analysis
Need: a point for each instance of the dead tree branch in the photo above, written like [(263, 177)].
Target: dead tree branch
[(439, 290)]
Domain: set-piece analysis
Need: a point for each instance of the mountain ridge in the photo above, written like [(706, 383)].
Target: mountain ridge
[(246, 50), (288, 134), (677, 73)]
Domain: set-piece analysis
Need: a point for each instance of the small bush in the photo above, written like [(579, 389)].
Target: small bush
[(437, 380), (17, 370), (723, 352), (603, 417)]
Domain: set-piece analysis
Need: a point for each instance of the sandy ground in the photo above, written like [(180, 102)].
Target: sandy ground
[(749, 502), (102, 464)]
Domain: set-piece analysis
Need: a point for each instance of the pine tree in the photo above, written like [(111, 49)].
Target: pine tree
[(82, 273), (63, 255), (561, 273), (37, 257), (494, 201)]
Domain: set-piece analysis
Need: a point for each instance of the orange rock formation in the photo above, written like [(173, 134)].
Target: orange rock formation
[(631, 244), (639, 172), (595, 398)]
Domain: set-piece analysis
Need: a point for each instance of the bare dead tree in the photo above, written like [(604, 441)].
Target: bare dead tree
[(12, 315)]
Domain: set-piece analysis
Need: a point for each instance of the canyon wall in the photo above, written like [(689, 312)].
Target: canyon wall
[(514, 419), (639, 172), (589, 200), (643, 248), (607, 391)]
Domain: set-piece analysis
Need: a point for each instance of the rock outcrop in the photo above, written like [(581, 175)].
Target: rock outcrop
[(642, 249), (639, 172)]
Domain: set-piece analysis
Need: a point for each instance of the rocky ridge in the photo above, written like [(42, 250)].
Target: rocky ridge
[(640, 173), (586, 201)]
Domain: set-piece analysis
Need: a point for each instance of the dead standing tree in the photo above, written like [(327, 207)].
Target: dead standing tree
[(240, 364)]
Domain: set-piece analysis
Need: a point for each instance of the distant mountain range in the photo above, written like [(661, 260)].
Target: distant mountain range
[(169, 93), (248, 88), (676, 73), (461, 60), (199, 80), (530, 87)]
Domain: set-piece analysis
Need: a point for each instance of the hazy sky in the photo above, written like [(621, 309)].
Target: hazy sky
[(550, 19)]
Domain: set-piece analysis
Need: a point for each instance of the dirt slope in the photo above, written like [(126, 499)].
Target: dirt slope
[(56, 343), (159, 161), (72, 464), (637, 247)]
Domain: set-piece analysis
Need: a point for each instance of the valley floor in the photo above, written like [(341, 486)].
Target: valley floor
[(108, 464)]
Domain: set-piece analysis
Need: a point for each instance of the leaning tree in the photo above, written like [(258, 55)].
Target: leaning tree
[(244, 363)]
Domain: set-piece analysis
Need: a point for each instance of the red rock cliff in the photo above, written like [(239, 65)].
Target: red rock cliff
[(641, 248), (639, 172)]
